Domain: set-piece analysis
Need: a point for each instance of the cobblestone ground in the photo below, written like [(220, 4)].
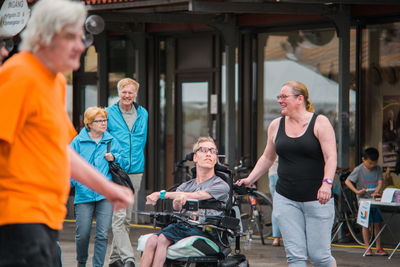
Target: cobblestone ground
[(258, 255)]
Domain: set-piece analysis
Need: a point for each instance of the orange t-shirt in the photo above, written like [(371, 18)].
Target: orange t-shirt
[(34, 135)]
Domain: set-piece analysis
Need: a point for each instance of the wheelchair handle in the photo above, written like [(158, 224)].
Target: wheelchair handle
[(242, 190)]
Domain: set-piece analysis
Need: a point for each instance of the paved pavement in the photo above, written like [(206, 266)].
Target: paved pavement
[(258, 255)]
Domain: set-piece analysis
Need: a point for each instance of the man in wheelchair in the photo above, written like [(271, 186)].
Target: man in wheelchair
[(206, 185)]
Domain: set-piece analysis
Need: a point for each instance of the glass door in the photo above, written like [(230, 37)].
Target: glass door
[(193, 116), (194, 113)]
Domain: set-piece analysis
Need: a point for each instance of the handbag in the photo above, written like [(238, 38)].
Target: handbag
[(118, 175)]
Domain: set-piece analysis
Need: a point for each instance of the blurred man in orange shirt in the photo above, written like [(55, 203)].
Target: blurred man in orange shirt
[(35, 160)]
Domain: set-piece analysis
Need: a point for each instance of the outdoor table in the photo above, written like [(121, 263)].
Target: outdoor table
[(392, 208)]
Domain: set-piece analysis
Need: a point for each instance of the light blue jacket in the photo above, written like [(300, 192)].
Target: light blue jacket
[(94, 154), (132, 142)]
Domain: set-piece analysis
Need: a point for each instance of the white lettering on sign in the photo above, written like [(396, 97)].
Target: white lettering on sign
[(14, 15)]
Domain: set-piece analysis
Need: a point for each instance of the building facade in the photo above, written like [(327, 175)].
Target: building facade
[(214, 67)]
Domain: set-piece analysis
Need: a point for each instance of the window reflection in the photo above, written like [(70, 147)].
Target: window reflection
[(90, 96), (90, 60), (122, 64), (68, 77), (194, 113), (380, 84)]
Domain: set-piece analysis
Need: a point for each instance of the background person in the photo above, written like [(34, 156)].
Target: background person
[(368, 179), (36, 162), (206, 185), (306, 146), (92, 144), (128, 124), (273, 179)]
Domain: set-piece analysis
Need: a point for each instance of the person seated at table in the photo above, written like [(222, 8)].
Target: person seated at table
[(368, 183), (206, 185)]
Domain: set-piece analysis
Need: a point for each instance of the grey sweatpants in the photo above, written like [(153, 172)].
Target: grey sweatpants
[(306, 230)]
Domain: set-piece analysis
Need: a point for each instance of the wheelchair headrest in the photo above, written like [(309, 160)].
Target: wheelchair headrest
[(221, 171), (189, 156), (218, 166)]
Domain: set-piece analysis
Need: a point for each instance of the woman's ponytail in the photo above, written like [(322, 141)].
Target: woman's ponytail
[(310, 106)]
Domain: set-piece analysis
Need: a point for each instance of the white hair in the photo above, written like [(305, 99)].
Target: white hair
[(48, 18)]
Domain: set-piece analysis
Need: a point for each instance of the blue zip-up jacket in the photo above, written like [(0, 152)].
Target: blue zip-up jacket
[(132, 142), (94, 154)]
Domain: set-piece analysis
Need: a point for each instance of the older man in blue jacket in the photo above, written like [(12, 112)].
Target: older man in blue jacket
[(128, 124)]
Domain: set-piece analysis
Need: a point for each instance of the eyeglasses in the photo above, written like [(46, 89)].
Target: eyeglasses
[(100, 121), (127, 92), (206, 149), (283, 97)]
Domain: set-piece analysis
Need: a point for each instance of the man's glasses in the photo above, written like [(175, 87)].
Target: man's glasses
[(206, 149), (283, 97), (8, 44), (100, 121)]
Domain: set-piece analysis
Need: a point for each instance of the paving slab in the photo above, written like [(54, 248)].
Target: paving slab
[(259, 255)]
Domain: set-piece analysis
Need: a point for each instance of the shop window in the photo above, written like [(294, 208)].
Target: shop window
[(68, 76), (381, 98), (90, 60)]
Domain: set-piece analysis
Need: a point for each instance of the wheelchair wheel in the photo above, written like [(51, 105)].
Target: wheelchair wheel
[(256, 218)]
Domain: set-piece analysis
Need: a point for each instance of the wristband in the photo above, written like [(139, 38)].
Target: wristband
[(162, 194), (327, 180)]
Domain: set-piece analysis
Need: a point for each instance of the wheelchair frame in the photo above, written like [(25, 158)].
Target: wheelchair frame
[(228, 226)]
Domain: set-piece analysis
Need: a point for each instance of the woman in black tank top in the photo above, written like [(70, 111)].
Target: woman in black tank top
[(306, 145)]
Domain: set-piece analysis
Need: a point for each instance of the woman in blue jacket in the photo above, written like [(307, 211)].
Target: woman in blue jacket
[(91, 143)]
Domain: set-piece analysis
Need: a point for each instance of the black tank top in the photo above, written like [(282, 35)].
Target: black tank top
[(301, 164)]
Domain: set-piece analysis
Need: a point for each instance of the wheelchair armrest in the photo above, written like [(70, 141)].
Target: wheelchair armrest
[(223, 222), (191, 205), (212, 203), (162, 219)]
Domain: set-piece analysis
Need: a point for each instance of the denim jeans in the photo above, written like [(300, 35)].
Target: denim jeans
[(273, 179), (28, 245), (84, 215), (306, 230)]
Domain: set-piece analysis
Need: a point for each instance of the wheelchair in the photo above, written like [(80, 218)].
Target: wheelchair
[(200, 250)]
